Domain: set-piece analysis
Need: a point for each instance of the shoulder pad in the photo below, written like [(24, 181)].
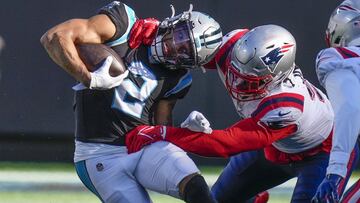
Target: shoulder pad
[(123, 18), (334, 58)]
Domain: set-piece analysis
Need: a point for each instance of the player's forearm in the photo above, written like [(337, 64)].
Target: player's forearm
[(62, 51), (200, 143), (243, 136)]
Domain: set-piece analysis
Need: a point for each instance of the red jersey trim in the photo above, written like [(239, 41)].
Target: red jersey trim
[(346, 53), (224, 51), (352, 161)]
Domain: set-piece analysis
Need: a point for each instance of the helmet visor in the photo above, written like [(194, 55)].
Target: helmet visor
[(243, 87), (178, 45)]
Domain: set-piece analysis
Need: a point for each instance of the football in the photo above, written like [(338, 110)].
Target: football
[(95, 54)]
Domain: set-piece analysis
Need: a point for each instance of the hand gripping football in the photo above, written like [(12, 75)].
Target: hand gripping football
[(93, 55)]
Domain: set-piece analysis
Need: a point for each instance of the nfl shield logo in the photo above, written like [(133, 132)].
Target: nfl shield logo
[(272, 58)]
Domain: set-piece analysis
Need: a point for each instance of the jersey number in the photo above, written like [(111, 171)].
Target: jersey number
[(131, 99)]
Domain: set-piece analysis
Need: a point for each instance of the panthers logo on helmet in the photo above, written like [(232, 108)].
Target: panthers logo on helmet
[(271, 59)]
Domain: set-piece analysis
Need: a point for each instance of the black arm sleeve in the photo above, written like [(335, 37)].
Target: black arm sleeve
[(122, 16)]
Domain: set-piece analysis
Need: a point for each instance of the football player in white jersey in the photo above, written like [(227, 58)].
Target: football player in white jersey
[(270, 94), (338, 71)]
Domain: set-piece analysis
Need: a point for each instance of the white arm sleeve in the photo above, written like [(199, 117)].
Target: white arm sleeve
[(343, 88)]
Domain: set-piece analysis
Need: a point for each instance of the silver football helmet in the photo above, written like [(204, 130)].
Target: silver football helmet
[(351, 4), (188, 40), (344, 26), (259, 61)]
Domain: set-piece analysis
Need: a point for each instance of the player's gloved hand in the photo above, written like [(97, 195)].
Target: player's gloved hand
[(327, 190), (101, 78), (144, 135), (143, 32), (197, 122)]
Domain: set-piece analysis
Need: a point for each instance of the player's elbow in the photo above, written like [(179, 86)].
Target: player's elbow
[(45, 39), (52, 39)]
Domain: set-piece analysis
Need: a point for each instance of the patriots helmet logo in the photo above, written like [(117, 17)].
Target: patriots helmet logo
[(272, 58)]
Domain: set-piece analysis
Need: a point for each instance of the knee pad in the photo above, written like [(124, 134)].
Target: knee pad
[(197, 190)]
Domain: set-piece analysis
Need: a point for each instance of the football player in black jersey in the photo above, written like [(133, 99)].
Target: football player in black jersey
[(106, 107)]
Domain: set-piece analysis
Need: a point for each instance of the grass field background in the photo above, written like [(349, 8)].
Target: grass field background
[(58, 183)]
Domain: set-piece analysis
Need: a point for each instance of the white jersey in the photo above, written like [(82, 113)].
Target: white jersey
[(338, 70), (293, 101), (331, 59)]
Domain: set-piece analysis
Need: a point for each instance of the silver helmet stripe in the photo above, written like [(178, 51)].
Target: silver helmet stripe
[(213, 39)]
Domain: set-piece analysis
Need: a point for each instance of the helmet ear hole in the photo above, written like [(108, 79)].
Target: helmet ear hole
[(337, 40)]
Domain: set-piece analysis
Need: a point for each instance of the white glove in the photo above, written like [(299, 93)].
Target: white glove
[(101, 78), (197, 122)]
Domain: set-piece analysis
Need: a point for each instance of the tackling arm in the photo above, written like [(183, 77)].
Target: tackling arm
[(245, 135), (60, 41), (163, 112)]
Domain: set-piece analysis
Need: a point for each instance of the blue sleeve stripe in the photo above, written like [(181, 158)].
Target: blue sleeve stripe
[(278, 102), (184, 82), (131, 20)]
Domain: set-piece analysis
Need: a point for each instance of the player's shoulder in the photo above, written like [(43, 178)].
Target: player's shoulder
[(123, 18), (328, 53), (334, 58), (230, 39), (326, 61), (280, 108), (228, 42), (336, 53), (234, 34), (116, 5)]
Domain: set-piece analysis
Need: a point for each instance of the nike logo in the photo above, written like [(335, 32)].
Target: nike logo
[(283, 114)]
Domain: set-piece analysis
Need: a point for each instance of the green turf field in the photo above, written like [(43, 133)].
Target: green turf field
[(80, 197), (58, 183)]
